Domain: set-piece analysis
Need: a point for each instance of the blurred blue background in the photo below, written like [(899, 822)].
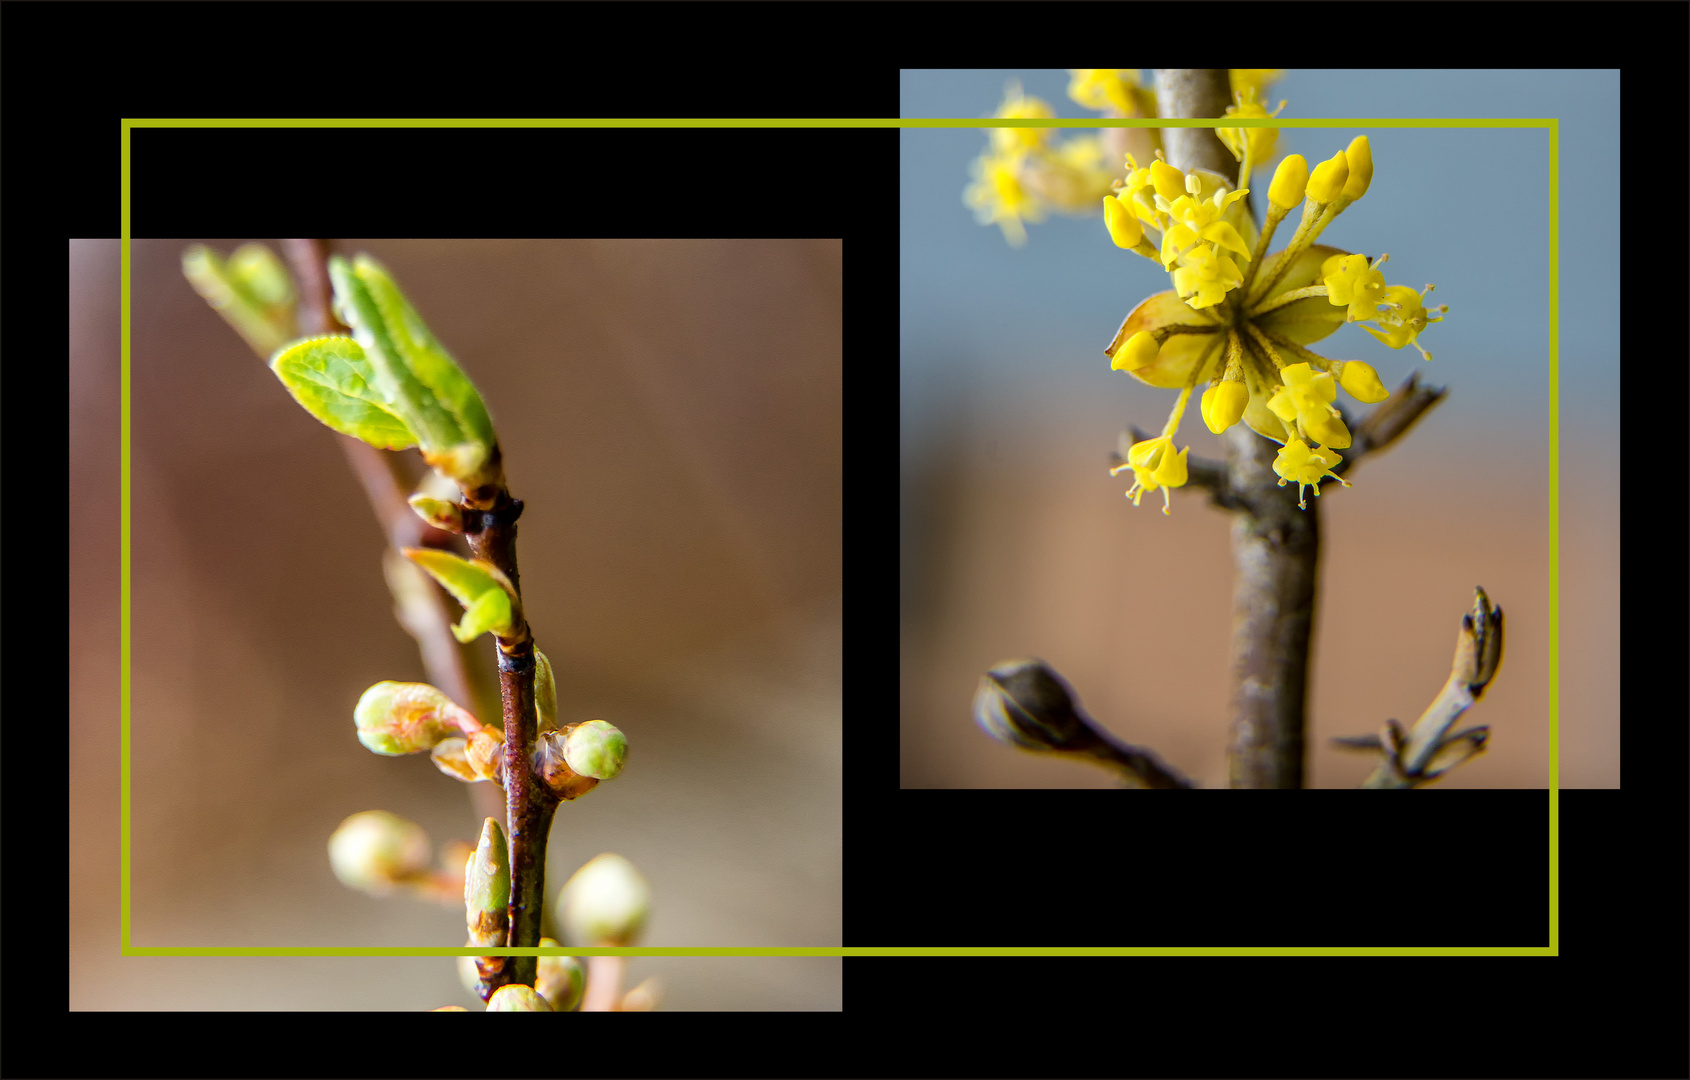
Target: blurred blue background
[(1003, 380)]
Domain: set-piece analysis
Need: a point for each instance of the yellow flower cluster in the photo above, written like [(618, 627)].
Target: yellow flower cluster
[(1240, 319)]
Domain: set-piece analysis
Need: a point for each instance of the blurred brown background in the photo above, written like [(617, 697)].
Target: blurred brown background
[(1019, 543), (670, 414)]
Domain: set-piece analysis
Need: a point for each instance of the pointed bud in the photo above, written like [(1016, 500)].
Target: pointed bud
[(560, 980), (596, 749), (606, 902), (487, 890), (515, 997), (1329, 177), (408, 718), (545, 692), (443, 515), (375, 851)]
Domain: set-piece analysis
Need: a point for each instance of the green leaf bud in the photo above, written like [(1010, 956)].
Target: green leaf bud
[(545, 692), (489, 599), (515, 997), (552, 767), (606, 902), (561, 979), (375, 851), (408, 718), (487, 887), (596, 749), (443, 515)]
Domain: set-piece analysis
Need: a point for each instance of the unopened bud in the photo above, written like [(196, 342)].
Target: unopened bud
[(545, 692), (375, 851), (1327, 181), (605, 903), (1290, 180), (515, 997), (552, 767), (487, 890), (408, 718), (439, 513), (560, 979), (596, 749), (480, 757), (1026, 704)]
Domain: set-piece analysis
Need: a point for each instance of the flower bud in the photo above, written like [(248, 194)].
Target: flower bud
[(605, 903), (1141, 349), (1328, 179), (552, 767), (595, 749), (545, 692), (1360, 158), (442, 515), (487, 887), (374, 851), (408, 718), (515, 997), (1026, 704), (560, 979), (487, 891), (1124, 226), (1362, 382), (1290, 180), (1223, 405)]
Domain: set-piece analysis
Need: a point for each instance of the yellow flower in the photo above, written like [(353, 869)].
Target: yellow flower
[(1297, 464), (1240, 319), (1155, 464)]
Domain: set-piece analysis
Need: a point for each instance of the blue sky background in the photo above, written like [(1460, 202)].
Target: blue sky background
[(1466, 209)]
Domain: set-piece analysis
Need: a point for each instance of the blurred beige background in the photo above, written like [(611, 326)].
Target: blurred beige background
[(1021, 544), (670, 414)]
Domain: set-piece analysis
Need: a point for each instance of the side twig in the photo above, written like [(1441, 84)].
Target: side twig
[(1027, 704), (1428, 750)]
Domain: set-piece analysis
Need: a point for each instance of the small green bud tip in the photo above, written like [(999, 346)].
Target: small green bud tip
[(606, 902), (374, 850), (561, 979), (596, 749), (439, 513), (545, 692), (515, 997), (1026, 704), (487, 878)]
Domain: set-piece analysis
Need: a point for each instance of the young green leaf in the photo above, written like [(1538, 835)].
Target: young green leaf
[(415, 375), (332, 379), (487, 596), (252, 291)]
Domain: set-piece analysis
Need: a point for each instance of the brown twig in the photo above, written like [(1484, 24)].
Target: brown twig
[(1428, 750), (530, 804)]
